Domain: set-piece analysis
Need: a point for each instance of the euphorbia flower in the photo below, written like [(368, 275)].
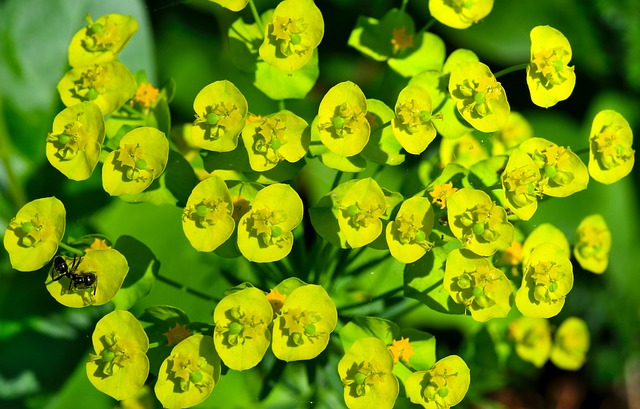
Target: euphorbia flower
[(548, 278), (533, 339), (459, 13), (221, 111), (476, 220), (207, 218), (264, 233), (33, 235), (305, 322), (466, 150), (102, 40), (242, 334), (592, 244), (549, 77), (413, 126), (570, 344), (108, 85), (520, 184), (342, 121), (610, 154), (366, 372), (189, 374), (146, 95), (442, 386), (120, 365), (562, 173), (479, 98), (407, 236), (73, 147), (545, 233), (441, 192), (360, 211), (471, 280), (279, 137), (401, 350), (141, 158), (294, 32)]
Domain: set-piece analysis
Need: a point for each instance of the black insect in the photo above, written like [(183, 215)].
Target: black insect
[(77, 280)]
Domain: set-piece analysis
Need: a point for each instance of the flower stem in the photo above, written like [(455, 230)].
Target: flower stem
[(336, 180), (72, 249), (427, 26), (380, 127), (16, 192), (256, 16), (404, 5), (511, 69)]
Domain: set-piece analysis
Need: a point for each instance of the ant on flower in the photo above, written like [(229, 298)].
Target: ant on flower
[(77, 280)]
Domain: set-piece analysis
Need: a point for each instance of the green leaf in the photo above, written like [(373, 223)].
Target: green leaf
[(143, 267), (429, 55), (361, 327), (279, 84)]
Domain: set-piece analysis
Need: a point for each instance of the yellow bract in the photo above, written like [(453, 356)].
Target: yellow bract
[(593, 243), (610, 154), (520, 184), (460, 13), (233, 5), (407, 236), (442, 386), (101, 40), (413, 126), (533, 339), (571, 344)]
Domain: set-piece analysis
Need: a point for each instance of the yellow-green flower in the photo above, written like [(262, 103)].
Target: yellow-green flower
[(545, 233), (533, 339), (549, 77), (512, 135), (279, 137), (141, 158), (548, 278), (465, 150), (221, 111), (366, 372), (571, 344), (360, 211), (189, 374), (479, 98), (242, 334), (610, 154), (108, 85), (413, 126), (207, 219), (295, 30), (109, 268), (342, 119), (304, 324), (460, 13), (592, 244), (264, 233), (562, 173), (73, 147), (233, 5), (476, 220), (101, 40), (471, 280), (407, 236), (520, 184), (120, 365), (442, 386), (33, 235)]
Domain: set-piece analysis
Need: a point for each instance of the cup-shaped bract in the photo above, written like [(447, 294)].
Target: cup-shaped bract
[(342, 119), (532, 337), (120, 365), (562, 173), (549, 77), (479, 97), (108, 85), (233, 5), (264, 233), (545, 233), (207, 219), (413, 126), (548, 278), (407, 236), (73, 147), (570, 344), (305, 322), (466, 150), (279, 137), (520, 184), (108, 267), (610, 154), (189, 374), (517, 130), (242, 334), (360, 211), (33, 235), (294, 32), (592, 244), (476, 220), (459, 14), (101, 40), (366, 372), (221, 111), (442, 386), (140, 159), (472, 281)]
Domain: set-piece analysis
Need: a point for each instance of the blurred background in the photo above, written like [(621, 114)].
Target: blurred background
[(43, 346)]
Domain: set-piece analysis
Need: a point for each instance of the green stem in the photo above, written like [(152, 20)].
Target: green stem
[(256, 16), (72, 250), (380, 127), (372, 299), (336, 180), (17, 193), (511, 69), (281, 106), (427, 26), (132, 112), (186, 289), (404, 5)]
